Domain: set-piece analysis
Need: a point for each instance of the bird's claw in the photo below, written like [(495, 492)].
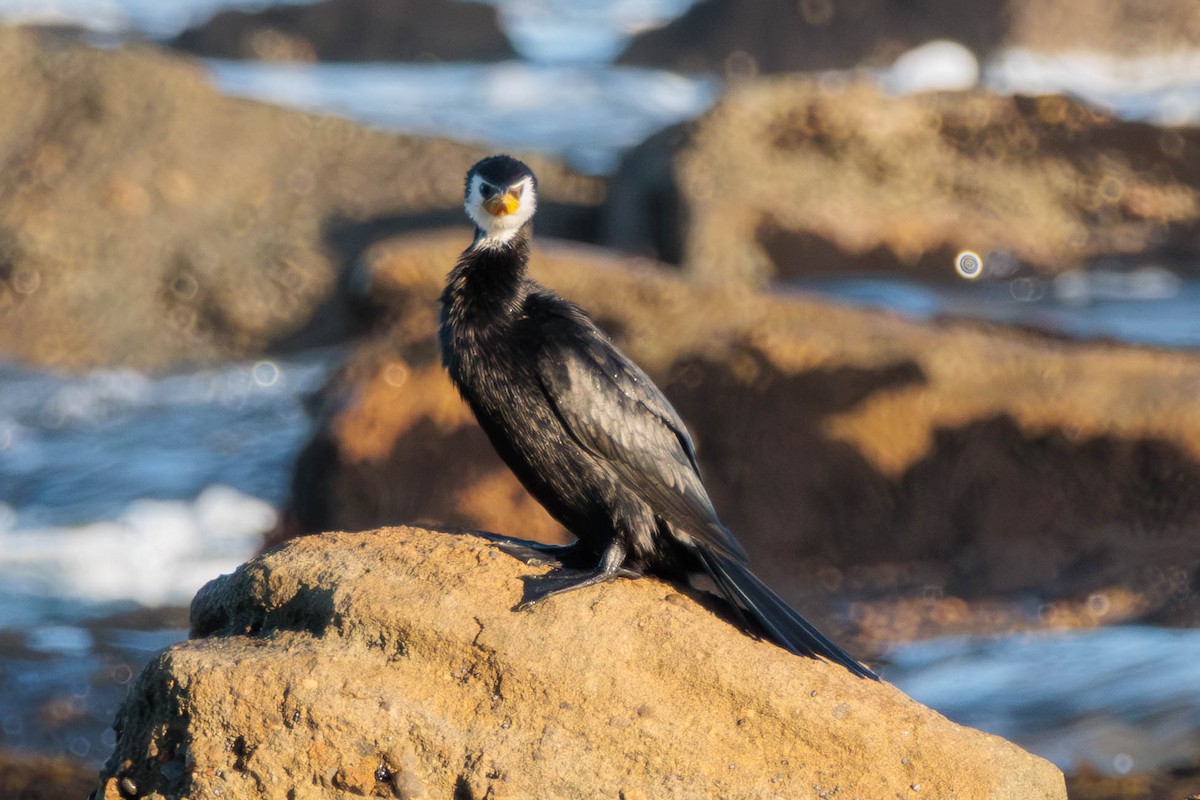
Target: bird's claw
[(561, 581)]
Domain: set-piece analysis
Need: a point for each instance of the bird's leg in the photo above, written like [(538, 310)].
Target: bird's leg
[(539, 587), (538, 554)]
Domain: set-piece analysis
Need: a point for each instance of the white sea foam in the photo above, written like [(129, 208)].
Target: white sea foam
[(1163, 88), (77, 448), (571, 32), (588, 115), (939, 65), (115, 486), (155, 553)]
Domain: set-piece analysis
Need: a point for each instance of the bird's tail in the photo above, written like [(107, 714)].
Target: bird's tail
[(782, 622)]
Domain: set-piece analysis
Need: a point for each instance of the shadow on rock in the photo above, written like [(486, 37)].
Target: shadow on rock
[(309, 608), (354, 30), (1005, 509)]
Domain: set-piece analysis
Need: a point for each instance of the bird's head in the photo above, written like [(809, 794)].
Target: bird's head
[(501, 196)]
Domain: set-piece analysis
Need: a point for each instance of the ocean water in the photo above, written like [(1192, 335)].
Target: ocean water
[(591, 112), (1149, 306), (121, 494), (154, 19), (586, 114), (119, 490), (548, 31), (1121, 699)]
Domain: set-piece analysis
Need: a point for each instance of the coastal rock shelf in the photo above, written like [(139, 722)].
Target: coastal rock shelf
[(391, 664), (792, 176)]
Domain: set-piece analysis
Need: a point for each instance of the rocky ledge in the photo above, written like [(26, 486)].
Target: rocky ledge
[(391, 664), (794, 176), (354, 30)]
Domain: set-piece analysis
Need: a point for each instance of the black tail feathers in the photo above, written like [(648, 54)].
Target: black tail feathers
[(784, 625)]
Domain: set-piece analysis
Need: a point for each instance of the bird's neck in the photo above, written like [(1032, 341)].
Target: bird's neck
[(488, 283)]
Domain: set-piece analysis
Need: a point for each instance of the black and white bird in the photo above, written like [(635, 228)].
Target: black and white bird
[(584, 429)]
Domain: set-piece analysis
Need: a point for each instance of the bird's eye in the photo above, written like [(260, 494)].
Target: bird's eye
[(486, 191)]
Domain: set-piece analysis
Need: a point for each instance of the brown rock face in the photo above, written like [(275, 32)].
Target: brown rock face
[(736, 38), (25, 775), (354, 30), (146, 220), (828, 437), (784, 177), (390, 664), (1123, 27)]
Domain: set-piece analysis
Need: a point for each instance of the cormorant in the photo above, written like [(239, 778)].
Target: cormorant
[(584, 429)]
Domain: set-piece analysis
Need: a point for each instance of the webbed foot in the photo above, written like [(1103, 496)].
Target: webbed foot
[(539, 554), (563, 580)]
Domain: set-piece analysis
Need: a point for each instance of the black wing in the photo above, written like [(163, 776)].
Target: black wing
[(612, 409)]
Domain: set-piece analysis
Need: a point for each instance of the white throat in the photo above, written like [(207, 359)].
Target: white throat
[(499, 230)]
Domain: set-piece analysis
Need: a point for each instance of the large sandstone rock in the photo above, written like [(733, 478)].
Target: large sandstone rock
[(354, 30), (147, 220), (737, 38), (391, 664), (831, 440), (787, 177)]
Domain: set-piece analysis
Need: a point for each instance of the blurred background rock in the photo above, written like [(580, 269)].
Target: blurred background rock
[(921, 276)]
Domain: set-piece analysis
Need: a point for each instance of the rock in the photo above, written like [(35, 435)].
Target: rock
[(1089, 783), (146, 220), (771, 36), (949, 457), (787, 177), (390, 664), (1120, 27), (354, 30), (34, 776)]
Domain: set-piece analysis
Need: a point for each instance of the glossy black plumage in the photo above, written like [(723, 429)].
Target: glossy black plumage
[(584, 429)]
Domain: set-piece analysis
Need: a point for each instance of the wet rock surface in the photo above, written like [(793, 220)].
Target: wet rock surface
[(40, 777), (354, 30), (1090, 784), (390, 663), (947, 478), (146, 220), (737, 39), (785, 177)]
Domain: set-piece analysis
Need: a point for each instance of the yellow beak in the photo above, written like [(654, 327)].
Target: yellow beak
[(499, 205)]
